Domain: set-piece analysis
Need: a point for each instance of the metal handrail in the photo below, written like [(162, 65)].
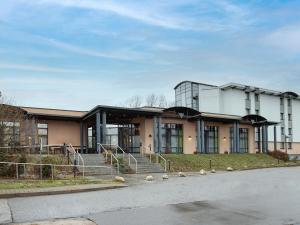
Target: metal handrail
[(51, 165), (158, 155), (104, 149), (112, 156), (131, 156), (76, 153)]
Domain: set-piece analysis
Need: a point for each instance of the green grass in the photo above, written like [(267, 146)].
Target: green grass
[(15, 184), (187, 163)]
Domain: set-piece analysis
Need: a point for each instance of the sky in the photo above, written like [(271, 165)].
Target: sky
[(75, 54)]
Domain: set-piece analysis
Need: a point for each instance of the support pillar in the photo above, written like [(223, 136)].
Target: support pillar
[(199, 147), (265, 139), (234, 135), (103, 127), (159, 135), (238, 137), (98, 130), (81, 137), (33, 135), (155, 135), (275, 138)]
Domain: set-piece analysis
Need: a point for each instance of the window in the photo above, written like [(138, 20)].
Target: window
[(184, 95), (290, 145), (43, 133), (257, 97), (10, 133), (289, 102), (244, 141), (212, 139), (172, 138), (281, 116), (290, 131), (281, 101), (257, 112), (290, 117), (247, 96), (282, 131)]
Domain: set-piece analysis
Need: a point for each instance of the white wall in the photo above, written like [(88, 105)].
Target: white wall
[(209, 99), (233, 102), (296, 120)]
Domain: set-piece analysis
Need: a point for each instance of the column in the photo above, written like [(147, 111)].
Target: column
[(155, 135), (265, 139), (275, 138), (103, 127), (259, 138), (203, 144), (159, 135), (26, 127), (199, 147), (98, 130), (238, 137), (81, 137), (234, 135), (33, 135)]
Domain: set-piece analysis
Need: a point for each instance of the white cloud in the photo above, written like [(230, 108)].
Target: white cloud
[(286, 38), (165, 14), (123, 54), (36, 68)]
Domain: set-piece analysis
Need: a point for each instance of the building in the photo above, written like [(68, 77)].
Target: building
[(148, 130), (282, 108)]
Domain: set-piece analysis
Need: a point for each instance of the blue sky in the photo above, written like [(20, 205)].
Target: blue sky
[(75, 54)]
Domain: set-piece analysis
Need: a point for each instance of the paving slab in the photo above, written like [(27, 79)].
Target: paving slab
[(5, 214)]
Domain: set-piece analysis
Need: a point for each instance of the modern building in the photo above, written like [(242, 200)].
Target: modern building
[(282, 108), (231, 118)]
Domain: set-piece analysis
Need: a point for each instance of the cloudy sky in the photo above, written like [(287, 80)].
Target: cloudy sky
[(75, 54)]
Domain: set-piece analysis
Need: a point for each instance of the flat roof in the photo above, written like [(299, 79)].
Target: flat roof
[(54, 112)]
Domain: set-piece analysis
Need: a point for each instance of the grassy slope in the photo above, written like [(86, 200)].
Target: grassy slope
[(221, 161), (48, 183)]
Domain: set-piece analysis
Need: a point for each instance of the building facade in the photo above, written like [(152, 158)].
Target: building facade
[(282, 108)]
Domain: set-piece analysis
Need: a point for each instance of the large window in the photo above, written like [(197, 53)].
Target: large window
[(172, 138), (212, 139), (9, 133), (244, 140), (43, 133), (183, 95)]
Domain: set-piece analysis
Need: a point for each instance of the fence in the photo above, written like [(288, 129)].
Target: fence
[(53, 171)]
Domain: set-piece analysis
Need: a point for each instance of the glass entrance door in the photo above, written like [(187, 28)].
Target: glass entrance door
[(172, 138)]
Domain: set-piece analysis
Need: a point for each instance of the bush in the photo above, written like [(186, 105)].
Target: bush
[(46, 170), (279, 155)]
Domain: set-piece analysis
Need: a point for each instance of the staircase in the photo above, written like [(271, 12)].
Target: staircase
[(96, 160), (145, 166)]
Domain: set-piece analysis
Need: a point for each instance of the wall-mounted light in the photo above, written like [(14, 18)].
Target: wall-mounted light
[(224, 139), (190, 138), (150, 136)]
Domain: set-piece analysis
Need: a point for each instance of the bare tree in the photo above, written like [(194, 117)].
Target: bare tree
[(151, 100), (134, 102), (162, 101)]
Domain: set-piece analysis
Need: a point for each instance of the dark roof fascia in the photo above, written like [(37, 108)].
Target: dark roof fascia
[(187, 81), (103, 108)]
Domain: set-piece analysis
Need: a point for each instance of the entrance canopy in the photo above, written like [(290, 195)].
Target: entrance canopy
[(183, 112), (257, 120)]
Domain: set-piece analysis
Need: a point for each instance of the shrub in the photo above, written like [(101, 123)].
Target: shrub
[(279, 155)]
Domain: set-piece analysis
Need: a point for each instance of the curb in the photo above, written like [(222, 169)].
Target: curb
[(58, 192)]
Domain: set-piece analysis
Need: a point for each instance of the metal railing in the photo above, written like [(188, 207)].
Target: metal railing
[(118, 151), (77, 156), (161, 157), (52, 166), (112, 156), (35, 149)]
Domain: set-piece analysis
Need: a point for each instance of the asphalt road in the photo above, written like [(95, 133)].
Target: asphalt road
[(269, 196)]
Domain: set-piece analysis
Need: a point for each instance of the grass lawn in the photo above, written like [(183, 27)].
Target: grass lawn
[(23, 184), (186, 163)]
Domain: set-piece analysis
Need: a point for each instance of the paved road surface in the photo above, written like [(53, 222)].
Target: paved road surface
[(269, 196)]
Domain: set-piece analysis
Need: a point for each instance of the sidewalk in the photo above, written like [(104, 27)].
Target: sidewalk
[(12, 193)]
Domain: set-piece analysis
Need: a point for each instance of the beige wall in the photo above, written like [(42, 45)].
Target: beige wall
[(294, 151), (60, 132)]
